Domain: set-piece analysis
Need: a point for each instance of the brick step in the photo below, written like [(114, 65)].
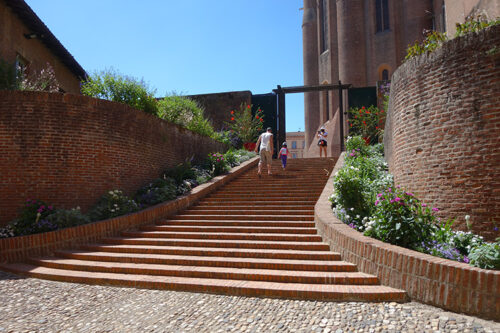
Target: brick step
[(244, 217), (270, 181), (263, 192), (258, 202), (223, 236), (332, 292), (255, 208), (229, 273), (230, 229), (235, 244), (228, 223), (252, 263), (264, 196), (247, 211), (215, 252), (271, 185)]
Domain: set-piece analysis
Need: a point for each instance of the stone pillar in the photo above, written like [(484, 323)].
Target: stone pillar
[(311, 72), (351, 42)]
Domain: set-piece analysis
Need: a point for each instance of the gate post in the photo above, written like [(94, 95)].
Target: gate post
[(281, 128)]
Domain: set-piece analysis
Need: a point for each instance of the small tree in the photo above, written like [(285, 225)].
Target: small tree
[(245, 125)]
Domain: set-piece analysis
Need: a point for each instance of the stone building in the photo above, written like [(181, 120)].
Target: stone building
[(360, 42), (295, 143), (26, 41)]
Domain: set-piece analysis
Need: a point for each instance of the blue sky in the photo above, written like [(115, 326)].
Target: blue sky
[(187, 46)]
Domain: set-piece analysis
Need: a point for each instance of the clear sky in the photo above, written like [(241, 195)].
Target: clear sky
[(187, 46)]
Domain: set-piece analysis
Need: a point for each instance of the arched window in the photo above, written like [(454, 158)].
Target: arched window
[(382, 15), (385, 75)]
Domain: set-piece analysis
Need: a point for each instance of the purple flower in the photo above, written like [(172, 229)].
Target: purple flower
[(39, 210), (50, 207), (352, 225), (409, 194), (466, 260), (495, 228), (379, 195), (424, 205), (377, 202), (435, 209), (389, 190), (351, 154), (397, 199), (398, 186)]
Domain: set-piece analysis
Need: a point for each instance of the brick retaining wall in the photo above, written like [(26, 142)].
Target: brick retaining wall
[(442, 135), (440, 282), (68, 150), (17, 249)]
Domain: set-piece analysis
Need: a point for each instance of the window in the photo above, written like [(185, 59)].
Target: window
[(303, 144), (385, 75), (323, 5), (21, 64), (294, 144), (382, 14), (294, 155)]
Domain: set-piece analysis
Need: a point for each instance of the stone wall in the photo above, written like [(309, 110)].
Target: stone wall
[(68, 150), (442, 135)]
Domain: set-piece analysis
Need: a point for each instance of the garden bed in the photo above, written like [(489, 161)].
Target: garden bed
[(440, 282), (15, 249)]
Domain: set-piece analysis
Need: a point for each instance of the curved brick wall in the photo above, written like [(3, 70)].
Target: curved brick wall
[(442, 136), (440, 282), (68, 150)]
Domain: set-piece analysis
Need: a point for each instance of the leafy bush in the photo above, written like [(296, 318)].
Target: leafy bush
[(217, 164), (112, 204), (246, 125), (113, 86), (474, 24), (366, 122), (159, 190), (180, 172), (64, 218), (231, 158), (401, 219), (356, 144), (432, 40), (33, 218), (201, 175), (186, 113), (486, 256), (9, 78)]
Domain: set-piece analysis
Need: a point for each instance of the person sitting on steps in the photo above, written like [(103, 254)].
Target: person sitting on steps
[(266, 150)]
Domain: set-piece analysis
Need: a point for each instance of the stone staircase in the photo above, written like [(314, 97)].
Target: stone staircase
[(253, 237)]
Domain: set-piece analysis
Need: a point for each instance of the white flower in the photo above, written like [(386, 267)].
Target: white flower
[(352, 209)]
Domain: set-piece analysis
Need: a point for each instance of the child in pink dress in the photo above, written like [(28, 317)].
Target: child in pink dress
[(283, 155)]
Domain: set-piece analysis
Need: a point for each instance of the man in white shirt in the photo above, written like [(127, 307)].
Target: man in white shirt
[(266, 150)]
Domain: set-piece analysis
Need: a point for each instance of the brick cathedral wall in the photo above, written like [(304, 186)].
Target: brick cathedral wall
[(442, 135), (68, 150)]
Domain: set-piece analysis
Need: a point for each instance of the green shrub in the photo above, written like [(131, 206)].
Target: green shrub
[(231, 158), (246, 125), (64, 218), (217, 164), (202, 175), (431, 42), (400, 219), (356, 145), (188, 114), (474, 24), (33, 218), (159, 190), (486, 256), (112, 204), (180, 173), (112, 86)]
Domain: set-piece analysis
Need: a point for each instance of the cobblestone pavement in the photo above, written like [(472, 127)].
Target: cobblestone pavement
[(33, 305)]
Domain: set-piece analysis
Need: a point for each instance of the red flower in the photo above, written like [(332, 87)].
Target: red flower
[(248, 106), (261, 120), (363, 107), (256, 116), (376, 127), (232, 112), (364, 122), (232, 118)]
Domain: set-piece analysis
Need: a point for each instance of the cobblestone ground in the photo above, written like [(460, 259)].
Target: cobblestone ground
[(33, 305)]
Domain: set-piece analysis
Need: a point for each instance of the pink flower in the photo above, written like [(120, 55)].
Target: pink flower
[(377, 202), (424, 205), (397, 199), (50, 207), (435, 210)]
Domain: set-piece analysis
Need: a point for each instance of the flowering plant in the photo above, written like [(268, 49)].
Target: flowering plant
[(244, 124), (366, 122), (218, 164), (112, 204), (33, 218)]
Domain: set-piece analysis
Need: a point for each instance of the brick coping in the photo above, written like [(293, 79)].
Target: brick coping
[(432, 280), (16, 249)]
